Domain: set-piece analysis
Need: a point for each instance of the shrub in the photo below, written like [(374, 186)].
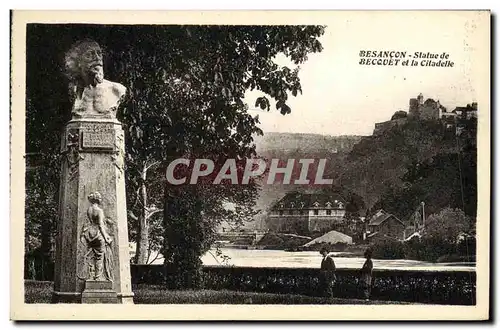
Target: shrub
[(438, 287), (340, 246), (449, 258), (428, 249), (447, 225), (467, 247), (270, 239), (282, 241), (388, 249)]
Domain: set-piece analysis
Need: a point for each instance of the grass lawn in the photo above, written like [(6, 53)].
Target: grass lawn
[(41, 293)]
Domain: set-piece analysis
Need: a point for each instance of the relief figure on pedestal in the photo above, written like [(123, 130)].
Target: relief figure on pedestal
[(119, 154), (95, 236), (72, 153), (93, 96)]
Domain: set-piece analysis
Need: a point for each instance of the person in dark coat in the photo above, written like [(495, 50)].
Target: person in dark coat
[(327, 273), (367, 274)]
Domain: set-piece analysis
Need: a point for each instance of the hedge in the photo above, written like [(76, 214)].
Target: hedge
[(452, 287), (436, 287)]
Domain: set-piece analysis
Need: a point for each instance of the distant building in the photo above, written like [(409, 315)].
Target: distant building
[(468, 112), (432, 110), (386, 224), (414, 235), (304, 213), (427, 110), (449, 119)]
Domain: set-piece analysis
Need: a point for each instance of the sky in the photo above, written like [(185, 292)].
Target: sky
[(341, 97)]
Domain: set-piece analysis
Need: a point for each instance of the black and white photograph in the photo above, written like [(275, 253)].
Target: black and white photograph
[(273, 162)]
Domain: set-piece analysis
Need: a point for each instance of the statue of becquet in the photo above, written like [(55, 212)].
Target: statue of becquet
[(92, 95), (97, 99)]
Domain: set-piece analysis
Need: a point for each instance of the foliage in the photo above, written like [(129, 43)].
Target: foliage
[(145, 185), (355, 204), (388, 249), (429, 249), (378, 162), (438, 287), (211, 121), (38, 292), (448, 179), (399, 115), (41, 212), (149, 294), (447, 225), (281, 241), (415, 162), (447, 233), (42, 187), (467, 247), (399, 202), (41, 293)]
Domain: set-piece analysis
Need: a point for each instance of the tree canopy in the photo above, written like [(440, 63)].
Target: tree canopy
[(448, 225), (399, 114)]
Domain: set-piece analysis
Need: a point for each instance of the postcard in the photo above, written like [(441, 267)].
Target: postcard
[(250, 165)]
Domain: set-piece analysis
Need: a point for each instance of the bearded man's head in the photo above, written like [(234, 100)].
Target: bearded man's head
[(84, 62)]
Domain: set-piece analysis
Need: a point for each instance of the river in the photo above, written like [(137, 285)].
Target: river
[(311, 259)]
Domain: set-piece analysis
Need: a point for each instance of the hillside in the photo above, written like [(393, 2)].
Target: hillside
[(287, 142), (418, 161), (414, 162)]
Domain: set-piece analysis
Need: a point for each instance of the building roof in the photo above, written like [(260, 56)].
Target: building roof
[(465, 109), (331, 237), (415, 234), (299, 200), (381, 216), (381, 236)]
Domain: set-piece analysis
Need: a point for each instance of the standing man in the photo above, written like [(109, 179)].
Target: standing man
[(327, 273), (366, 274)]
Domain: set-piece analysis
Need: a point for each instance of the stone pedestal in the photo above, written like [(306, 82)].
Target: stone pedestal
[(99, 292), (93, 161)]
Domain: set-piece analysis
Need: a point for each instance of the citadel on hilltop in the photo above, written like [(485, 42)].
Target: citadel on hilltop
[(427, 110)]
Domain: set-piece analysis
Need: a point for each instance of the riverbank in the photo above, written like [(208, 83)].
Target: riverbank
[(312, 259)]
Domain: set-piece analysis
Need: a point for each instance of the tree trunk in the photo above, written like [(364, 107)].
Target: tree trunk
[(141, 255), (142, 242), (183, 241)]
